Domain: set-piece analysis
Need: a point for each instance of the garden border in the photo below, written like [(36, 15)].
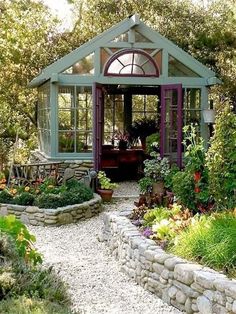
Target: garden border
[(36, 216), (189, 287)]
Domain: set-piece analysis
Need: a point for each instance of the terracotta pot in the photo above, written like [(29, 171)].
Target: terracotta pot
[(158, 188), (106, 195)]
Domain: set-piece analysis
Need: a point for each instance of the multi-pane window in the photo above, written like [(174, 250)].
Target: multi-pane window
[(192, 107), (144, 106), (74, 119), (44, 118)]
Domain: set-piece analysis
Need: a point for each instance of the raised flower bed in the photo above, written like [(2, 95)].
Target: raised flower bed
[(189, 287)]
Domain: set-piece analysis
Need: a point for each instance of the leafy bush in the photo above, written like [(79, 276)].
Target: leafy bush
[(5, 197), (19, 278), (25, 305), (24, 240), (209, 240), (24, 198), (156, 168), (152, 142), (49, 201), (145, 184), (169, 177), (221, 159), (183, 188)]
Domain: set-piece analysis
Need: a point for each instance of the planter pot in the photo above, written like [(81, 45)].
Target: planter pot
[(106, 195), (158, 188)]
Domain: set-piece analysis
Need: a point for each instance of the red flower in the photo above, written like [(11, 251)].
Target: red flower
[(197, 176), (197, 189)]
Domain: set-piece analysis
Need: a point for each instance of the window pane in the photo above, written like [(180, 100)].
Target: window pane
[(66, 97), (66, 119), (115, 67), (84, 66), (177, 68), (84, 141), (66, 142)]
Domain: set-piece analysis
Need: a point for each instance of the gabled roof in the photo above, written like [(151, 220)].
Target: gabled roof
[(109, 35)]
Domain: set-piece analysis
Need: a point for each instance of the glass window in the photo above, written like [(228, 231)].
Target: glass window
[(75, 119), (176, 68), (140, 38), (192, 107), (131, 63), (84, 66)]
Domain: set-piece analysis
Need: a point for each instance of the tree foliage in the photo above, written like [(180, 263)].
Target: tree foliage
[(29, 41)]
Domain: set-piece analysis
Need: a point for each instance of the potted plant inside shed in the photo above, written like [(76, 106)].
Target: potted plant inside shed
[(106, 186)]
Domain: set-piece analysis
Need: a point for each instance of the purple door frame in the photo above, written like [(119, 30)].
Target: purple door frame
[(98, 102), (164, 89)]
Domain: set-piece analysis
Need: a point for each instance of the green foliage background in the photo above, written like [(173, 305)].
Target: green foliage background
[(30, 40)]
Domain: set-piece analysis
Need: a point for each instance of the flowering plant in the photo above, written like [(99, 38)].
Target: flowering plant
[(156, 168), (105, 182), (122, 139)]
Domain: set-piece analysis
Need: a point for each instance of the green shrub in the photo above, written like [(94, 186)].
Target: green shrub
[(221, 159), (72, 183), (210, 240), (24, 198), (183, 188), (49, 201), (24, 305), (152, 142), (23, 239), (145, 184), (169, 177), (6, 197)]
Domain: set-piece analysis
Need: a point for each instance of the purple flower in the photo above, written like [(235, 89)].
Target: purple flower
[(137, 222), (147, 232)]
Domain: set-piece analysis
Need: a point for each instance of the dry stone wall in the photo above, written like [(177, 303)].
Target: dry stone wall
[(53, 217), (190, 287)]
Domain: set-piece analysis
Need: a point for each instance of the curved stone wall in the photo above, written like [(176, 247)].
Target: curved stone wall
[(53, 217), (190, 287)]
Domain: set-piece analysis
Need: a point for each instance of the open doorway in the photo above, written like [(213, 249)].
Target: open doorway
[(124, 107)]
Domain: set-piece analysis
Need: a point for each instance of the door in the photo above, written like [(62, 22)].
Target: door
[(171, 123), (98, 104)]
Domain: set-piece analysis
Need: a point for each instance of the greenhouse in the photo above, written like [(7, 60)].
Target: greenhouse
[(127, 74)]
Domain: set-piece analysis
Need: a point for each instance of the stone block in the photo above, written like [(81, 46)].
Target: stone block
[(65, 218), (231, 290), (162, 280), (188, 306), (166, 274), (161, 256), (197, 287), (204, 305), (50, 222), (24, 218), (88, 213), (220, 298), (184, 272), (234, 307), (31, 209), (209, 294), (170, 263), (219, 309), (158, 268), (34, 222), (172, 292), (150, 255), (186, 289), (206, 279), (180, 297), (3, 211), (177, 305)]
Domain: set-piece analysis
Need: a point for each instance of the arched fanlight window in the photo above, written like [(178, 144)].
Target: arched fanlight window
[(131, 62)]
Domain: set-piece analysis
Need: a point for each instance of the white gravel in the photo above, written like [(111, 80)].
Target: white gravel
[(95, 283)]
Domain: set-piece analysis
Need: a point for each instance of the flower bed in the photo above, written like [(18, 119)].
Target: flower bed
[(53, 217), (187, 286)]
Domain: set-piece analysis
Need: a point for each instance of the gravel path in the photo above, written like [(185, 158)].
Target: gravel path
[(95, 283)]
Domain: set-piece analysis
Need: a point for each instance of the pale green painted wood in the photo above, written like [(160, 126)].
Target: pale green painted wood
[(53, 118), (185, 81), (175, 51), (97, 63), (104, 40), (165, 62), (84, 50), (204, 127)]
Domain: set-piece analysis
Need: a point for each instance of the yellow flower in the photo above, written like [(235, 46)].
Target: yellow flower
[(2, 186), (13, 191), (37, 191), (20, 237), (50, 186), (27, 188)]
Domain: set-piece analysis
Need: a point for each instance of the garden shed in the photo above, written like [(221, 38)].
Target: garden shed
[(127, 73)]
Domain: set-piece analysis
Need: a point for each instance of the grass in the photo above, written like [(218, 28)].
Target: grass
[(211, 240)]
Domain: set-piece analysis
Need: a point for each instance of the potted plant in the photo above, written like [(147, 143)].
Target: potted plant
[(122, 139), (106, 186), (157, 169)]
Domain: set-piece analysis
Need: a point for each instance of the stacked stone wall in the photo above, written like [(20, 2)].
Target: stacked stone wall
[(53, 217), (190, 287)]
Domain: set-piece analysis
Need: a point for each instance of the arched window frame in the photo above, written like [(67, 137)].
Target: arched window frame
[(133, 51)]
